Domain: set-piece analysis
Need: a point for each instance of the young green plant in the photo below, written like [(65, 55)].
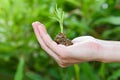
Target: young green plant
[(59, 16), (61, 37)]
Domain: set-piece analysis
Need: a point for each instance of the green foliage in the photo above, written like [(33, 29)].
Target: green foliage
[(115, 20), (89, 72), (33, 76), (98, 18), (115, 75)]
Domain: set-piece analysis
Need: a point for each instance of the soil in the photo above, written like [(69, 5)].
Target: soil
[(62, 39)]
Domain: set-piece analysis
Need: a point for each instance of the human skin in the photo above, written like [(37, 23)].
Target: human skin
[(84, 48)]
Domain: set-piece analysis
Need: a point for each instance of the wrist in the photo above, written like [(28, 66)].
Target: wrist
[(98, 56), (100, 52), (109, 51), (95, 49)]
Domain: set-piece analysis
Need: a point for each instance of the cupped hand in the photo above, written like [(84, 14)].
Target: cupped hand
[(84, 48)]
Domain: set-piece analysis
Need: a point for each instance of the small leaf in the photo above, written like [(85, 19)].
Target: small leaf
[(55, 18)]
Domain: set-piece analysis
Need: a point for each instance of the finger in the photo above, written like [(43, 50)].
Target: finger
[(49, 42), (51, 53), (69, 64), (71, 61)]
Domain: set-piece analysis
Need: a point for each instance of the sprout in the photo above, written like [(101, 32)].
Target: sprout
[(59, 16)]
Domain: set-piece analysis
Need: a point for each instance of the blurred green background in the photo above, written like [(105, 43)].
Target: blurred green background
[(21, 57)]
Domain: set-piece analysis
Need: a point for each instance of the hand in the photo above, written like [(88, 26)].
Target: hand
[(83, 49)]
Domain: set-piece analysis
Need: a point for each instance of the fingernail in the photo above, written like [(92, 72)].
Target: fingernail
[(34, 24), (37, 23)]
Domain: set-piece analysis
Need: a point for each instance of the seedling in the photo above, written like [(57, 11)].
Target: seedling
[(59, 16), (61, 37)]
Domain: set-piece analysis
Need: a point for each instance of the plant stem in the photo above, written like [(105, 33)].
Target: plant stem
[(61, 26), (102, 71), (77, 71)]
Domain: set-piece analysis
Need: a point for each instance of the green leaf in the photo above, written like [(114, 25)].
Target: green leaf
[(75, 3), (89, 72), (106, 34), (115, 20), (115, 75), (33, 76), (20, 68)]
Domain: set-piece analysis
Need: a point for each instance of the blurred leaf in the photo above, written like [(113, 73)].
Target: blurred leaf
[(115, 75), (114, 65), (20, 68), (115, 20), (33, 76), (107, 33), (76, 3), (89, 72)]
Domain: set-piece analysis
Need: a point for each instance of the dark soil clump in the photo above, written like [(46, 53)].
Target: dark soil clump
[(62, 39)]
